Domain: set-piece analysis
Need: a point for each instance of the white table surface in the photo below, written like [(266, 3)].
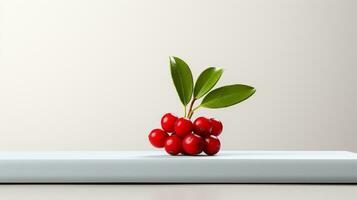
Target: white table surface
[(178, 192), (157, 167)]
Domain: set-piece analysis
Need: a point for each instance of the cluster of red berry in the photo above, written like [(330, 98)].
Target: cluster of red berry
[(187, 137), (180, 135)]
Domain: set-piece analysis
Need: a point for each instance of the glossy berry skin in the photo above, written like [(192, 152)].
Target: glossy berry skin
[(173, 145), (157, 138), (217, 127), (202, 126), (192, 144), (212, 145), (183, 127), (168, 122)]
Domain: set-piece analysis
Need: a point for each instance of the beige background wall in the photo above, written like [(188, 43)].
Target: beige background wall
[(93, 75)]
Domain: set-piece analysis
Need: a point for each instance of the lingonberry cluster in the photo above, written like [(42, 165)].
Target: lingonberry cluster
[(181, 135)]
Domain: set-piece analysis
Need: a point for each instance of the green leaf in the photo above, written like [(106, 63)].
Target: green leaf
[(227, 96), (182, 77), (206, 81)]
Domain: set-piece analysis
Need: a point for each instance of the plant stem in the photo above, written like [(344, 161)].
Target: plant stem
[(190, 111), (193, 111), (184, 108), (190, 115)]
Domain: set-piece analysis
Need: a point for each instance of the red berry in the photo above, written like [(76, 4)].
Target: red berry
[(158, 137), (216, 127), (211, 145), (183, 127), (173, 145), (168, 122), (202, 126), (192, 144)]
